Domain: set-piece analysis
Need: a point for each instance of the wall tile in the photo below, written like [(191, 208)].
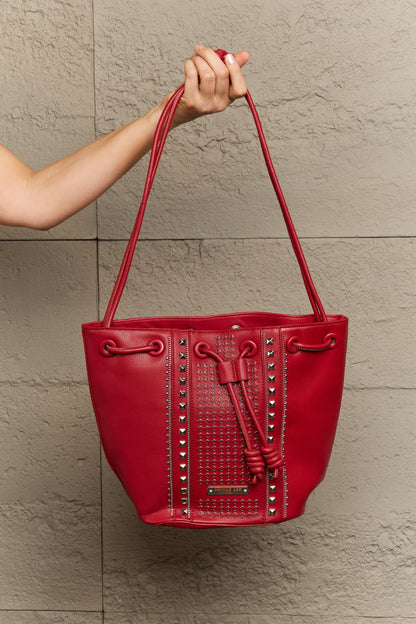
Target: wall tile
[(50, 499), (312, 565), (50, 446), (48, 106), (334, 90), (47, 290), (50, 554), (373, 464)]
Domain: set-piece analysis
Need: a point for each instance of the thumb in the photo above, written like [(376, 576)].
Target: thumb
[(241, 57)]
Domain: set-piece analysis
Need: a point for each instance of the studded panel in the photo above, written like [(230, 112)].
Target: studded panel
[(225, 346), (220, 445), (228, 508), (220, 448)]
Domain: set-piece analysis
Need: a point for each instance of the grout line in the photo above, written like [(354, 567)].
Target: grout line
[(391, 619), (199, 238), (98, 308), (250, 614)]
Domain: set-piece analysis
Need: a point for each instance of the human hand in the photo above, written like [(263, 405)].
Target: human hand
[(210, 84)]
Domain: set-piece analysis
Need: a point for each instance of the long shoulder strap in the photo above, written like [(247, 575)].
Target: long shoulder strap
[(159, 140)]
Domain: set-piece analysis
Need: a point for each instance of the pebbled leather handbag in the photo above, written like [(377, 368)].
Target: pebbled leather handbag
[(223, 420)]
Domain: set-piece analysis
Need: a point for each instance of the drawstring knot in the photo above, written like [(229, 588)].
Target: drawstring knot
[(235, 371), (255, 463), (273, 459)]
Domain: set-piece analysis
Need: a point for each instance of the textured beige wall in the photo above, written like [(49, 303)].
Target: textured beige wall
[(335, 86)]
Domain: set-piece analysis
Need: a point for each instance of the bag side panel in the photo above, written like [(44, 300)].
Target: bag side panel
[(129, 398), (314, 384)]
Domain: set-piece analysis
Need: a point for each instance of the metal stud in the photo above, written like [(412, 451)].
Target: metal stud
[(182, 368), (184, 501), (271, 427), (182, 431), (272, 499), (272, 403), (272, 390), (182, 466), (270, 353), (182, 454), (270, 366), (182, 443), (182, 355), (182, 341), (182, 419), (272, 488), (184, 512), (182, 393), (271, 378), (183, 479), (184, 490), (272, 512), (182, 381), (182, 406), (269, 341), (272, 415), (270, 438)]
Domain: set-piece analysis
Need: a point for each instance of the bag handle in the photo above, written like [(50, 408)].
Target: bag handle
[(159, 141)]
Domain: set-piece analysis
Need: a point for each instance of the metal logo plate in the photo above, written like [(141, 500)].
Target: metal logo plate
[(227, 490)]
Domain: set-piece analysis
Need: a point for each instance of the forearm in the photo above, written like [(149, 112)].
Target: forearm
[(45, 198), (68, 185)]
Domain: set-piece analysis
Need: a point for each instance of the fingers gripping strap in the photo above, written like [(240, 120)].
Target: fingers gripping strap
[(159, 141)]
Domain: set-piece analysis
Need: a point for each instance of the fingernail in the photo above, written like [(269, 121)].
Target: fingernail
[(229, 58), (197, 46)]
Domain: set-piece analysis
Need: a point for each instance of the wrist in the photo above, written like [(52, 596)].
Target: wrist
[(154, 114), (182, 113)]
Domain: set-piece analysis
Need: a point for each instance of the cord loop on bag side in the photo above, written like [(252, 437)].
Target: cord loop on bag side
[(294, 345), (108, 348)]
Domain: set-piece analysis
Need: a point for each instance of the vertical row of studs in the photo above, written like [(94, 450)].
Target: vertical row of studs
[(183, 426), (270, 379), (188, 426), (168, 366), (284, 415)]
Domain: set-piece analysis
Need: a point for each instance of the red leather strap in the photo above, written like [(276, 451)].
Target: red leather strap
[(159, 140)]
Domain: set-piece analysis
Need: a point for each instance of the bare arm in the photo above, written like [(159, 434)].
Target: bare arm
[(42, 199)]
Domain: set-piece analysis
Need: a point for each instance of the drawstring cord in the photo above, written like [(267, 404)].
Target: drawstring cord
[(233, 371)]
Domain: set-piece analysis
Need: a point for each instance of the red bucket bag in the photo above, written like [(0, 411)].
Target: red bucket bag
[(224, 420)]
